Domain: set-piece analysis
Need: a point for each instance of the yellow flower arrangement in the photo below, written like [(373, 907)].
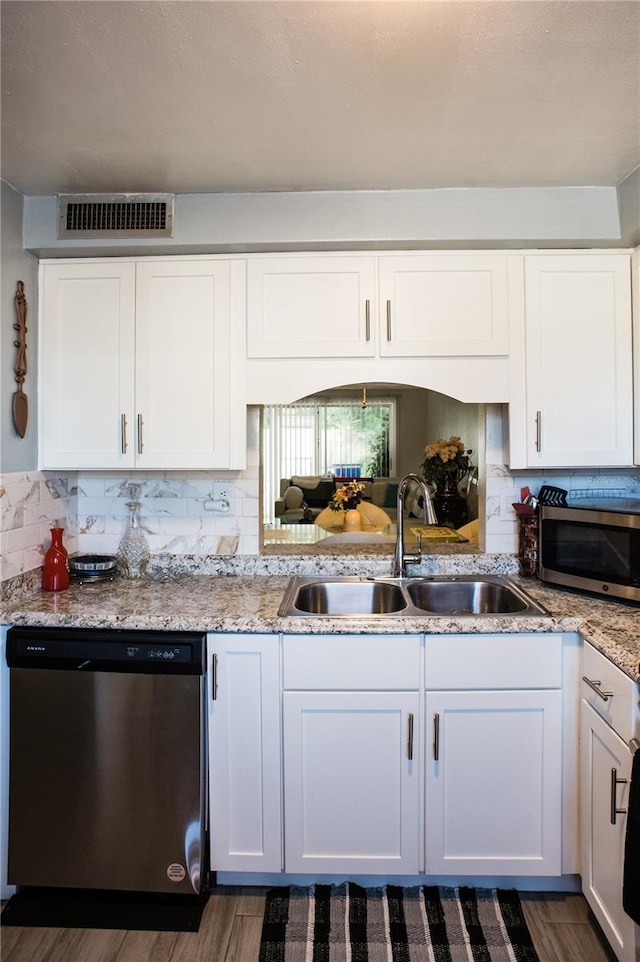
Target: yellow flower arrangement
[(446, 459)]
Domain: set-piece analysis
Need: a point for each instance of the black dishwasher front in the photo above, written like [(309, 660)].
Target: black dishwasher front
[(107, 759)]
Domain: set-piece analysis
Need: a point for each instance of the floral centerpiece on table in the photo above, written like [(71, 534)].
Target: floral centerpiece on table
[(347, 497), (446, 461)]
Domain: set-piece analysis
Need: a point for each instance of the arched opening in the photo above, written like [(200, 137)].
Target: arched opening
[(410, 418)]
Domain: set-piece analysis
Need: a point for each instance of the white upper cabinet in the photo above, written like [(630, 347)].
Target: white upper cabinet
[(313, 306), (436, 304), (138, 365), (572, 394), (86, 342), (422, 305), (183, 366)]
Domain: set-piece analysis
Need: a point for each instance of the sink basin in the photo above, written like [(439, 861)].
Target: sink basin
[(406, 597), (467, 597), (347, 597)]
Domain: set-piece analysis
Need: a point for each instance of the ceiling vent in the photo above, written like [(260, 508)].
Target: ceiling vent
[(115, 215)]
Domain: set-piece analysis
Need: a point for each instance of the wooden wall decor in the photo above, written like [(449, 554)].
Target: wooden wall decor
[(20, 403)]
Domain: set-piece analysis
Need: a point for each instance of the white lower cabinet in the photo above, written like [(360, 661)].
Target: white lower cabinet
[(351, 782), (493, 783), (352, 764), (605, 775), (494, 719), (245, 795), (397, 754)]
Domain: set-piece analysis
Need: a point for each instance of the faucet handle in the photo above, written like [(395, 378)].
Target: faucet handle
[(419, 543)]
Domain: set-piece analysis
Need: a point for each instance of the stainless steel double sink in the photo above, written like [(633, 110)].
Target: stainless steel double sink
[(406, 597)]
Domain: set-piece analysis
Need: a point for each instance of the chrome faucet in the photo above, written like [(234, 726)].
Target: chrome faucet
[(401, 559)]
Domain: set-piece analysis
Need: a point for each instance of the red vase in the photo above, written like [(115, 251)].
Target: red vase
[(55, 570)]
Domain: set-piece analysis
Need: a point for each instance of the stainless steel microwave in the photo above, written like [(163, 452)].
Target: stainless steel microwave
[(594, 547)]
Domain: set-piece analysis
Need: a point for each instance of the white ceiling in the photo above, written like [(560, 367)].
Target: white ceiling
[(211, 96)]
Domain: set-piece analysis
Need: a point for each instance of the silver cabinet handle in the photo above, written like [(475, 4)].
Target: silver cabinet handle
[(593, 685), (123, 433), (140, 444), (367, 319), (538, 430), (410, 737), (436, 737), (388, 320), (615, 781), (214, 677)]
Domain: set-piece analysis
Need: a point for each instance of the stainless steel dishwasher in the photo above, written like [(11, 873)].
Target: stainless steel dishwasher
[(107, 760)]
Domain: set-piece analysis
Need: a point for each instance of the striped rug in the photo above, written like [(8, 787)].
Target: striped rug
[(347, 923)]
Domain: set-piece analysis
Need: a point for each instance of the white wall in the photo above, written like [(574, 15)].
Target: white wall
[(16, 454)]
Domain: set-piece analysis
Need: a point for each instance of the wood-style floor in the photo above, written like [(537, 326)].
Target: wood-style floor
[(560, 925)]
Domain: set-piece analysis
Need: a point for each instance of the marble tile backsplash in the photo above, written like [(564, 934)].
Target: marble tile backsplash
[(503, 489), (177, 513), (176, 510), (31, 503)]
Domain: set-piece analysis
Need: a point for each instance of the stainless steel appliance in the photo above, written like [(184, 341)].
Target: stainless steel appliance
[(593, 545), (107, 760)]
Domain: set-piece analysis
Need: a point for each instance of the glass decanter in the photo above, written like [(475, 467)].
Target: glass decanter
[(133, 550)]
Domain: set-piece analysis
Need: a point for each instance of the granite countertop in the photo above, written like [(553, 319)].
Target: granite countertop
[(224, 600)]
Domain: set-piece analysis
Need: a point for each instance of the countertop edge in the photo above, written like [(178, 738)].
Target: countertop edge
[(248, 604)]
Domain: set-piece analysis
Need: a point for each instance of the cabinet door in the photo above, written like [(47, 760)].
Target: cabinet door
[(604, 753), (311, 307), (494, 783), (183, 365), (579, 401), (244, 753), (86, 365), (351, 777), (433, 305)]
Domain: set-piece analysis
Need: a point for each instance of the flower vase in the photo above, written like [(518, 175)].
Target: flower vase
[(55, 570), (352, 520), (450, 506)]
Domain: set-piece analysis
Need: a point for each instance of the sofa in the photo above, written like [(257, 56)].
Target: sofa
[(310, 495)]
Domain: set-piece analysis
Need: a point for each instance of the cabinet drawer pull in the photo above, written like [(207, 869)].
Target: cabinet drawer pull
[(410, 737), (615, 781), (538, 431), (593, 685), (388, 320), (214, 677), (123, 433), (436, 737), (140, 444), (367, 319)]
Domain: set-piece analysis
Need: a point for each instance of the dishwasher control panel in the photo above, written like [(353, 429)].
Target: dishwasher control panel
[(105, 650)]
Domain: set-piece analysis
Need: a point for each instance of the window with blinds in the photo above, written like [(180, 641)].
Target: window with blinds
[(338, 437)]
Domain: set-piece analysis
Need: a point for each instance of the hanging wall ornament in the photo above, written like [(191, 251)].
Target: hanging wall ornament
[(20, 403)]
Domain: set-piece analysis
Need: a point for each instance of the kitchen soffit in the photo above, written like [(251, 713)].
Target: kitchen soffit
[(358, 94)]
